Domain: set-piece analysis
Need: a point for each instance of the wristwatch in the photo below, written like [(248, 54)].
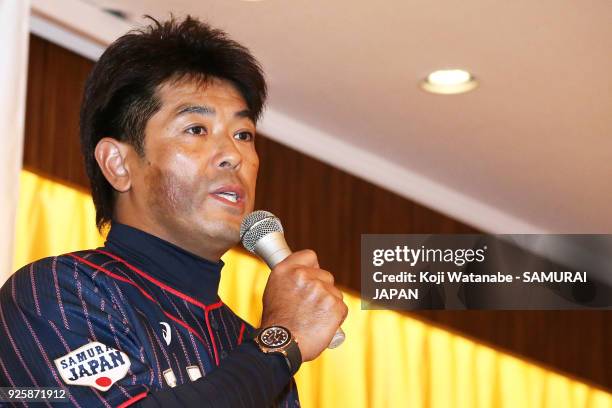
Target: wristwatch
[(278, 340)]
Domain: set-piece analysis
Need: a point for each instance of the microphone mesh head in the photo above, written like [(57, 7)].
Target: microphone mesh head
[(257, 225)]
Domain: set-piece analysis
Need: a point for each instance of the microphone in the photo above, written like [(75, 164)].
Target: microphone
[(261, 233)]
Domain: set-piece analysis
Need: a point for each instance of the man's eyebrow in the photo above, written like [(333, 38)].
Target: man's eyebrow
[(202, 110), (245, 113), (209, 111)]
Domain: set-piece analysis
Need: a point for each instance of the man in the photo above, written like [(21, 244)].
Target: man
[(167, 130)]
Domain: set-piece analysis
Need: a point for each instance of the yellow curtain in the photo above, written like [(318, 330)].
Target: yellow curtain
[(388, 359), (52, 219)]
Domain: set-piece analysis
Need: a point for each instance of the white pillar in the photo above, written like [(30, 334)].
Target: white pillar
[(14, 36)]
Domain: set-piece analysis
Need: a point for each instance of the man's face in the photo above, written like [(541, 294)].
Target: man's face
[(197, 179)]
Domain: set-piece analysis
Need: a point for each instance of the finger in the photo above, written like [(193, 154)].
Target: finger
[(334, 291), (305, 257), (318, 274), (345, 311), (323, 275)]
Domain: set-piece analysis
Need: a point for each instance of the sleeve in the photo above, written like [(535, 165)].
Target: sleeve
[(59, 327), (246, 378)]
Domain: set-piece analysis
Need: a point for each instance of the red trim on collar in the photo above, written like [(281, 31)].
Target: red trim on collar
[(160, 284)]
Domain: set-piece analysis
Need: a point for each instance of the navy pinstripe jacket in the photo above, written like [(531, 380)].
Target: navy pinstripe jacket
[(115, 325)]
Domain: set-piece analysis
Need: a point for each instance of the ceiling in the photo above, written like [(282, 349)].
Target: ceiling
[(530, 150)]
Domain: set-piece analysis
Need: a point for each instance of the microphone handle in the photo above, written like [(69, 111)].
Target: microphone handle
[(273, 249)]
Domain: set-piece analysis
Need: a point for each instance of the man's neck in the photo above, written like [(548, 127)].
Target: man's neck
[(201, 247)]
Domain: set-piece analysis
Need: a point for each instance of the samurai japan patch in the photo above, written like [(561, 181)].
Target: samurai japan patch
[(93, 365)]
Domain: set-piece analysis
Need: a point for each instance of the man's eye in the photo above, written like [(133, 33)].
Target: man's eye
[(244, 136), (196, 130)]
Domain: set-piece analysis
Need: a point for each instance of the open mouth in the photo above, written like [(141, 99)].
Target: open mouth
[(229, 196)]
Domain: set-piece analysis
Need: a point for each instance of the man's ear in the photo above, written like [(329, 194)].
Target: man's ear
[(111, 157)]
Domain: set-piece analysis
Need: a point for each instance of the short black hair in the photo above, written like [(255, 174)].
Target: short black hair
[(120, 93)]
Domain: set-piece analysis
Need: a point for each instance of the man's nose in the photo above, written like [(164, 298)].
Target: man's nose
[(228, 155)]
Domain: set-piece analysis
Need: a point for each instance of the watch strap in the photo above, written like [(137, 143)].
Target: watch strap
[(294, 357)]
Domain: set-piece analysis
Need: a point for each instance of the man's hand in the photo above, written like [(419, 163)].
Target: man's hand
[(302, 297)]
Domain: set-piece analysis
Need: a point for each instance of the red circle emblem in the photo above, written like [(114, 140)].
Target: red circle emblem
[(103, 381)]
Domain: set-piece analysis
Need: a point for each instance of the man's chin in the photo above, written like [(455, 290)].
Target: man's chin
[(224, 232), (218, 227)]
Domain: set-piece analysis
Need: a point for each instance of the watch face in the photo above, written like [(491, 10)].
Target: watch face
[(274, 336)]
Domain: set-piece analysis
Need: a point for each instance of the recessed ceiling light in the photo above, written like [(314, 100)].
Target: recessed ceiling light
[(449, 81)]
